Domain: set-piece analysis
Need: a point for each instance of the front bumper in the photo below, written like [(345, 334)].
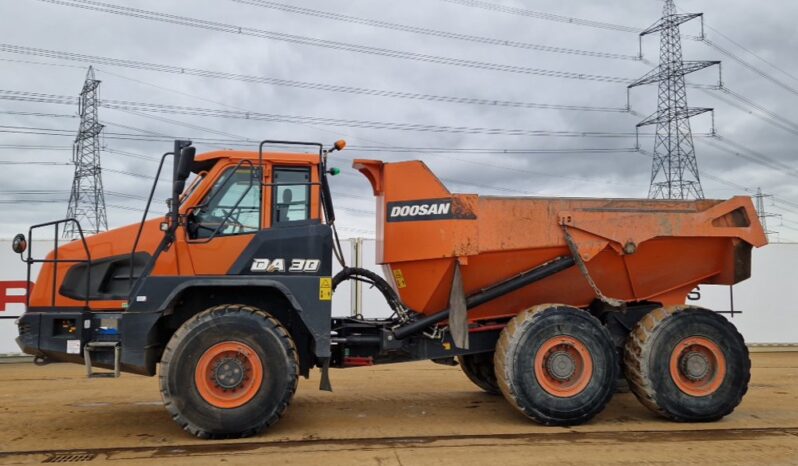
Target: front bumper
[(60, 335)]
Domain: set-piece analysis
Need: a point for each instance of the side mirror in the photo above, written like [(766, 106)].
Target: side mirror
[(183, 170), (185, 163), (19, 244)]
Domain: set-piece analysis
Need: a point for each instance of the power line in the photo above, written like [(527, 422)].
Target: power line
[(227, 105), (545, 16), (380, 149), (743, 152), (37, 114), (776, 164), (26, 162), (134, 174), (748, 106), (305, 85), (785, 201), (763, 60), (184, 124), (770, 114), (432, 32), (752, 68), (249, 142), (439, 150), (450, 181), (205, 99), (58, 99), (740, 60), (334, 45), (130, 154), (32, 62), (37, 147), (299, 119), (33, 192)]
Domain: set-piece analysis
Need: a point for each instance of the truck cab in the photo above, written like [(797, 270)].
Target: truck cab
[(250, 227)]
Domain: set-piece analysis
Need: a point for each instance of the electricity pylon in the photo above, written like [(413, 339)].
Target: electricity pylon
[(87, 199)]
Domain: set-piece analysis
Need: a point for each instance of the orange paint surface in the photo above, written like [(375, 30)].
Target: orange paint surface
[(634, 249)]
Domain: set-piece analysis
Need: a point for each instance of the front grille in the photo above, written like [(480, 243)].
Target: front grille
[(24, 328)]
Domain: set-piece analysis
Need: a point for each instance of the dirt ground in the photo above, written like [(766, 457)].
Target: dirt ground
[(407, 414)]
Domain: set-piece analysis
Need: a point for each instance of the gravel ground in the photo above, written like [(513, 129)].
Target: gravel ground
[(418, 413)]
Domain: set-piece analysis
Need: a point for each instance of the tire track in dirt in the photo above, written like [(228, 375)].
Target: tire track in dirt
[(321, 445)]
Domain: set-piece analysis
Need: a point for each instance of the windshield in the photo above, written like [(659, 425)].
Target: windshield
[(231, 207)]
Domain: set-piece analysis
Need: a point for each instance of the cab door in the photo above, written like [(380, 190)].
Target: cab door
[(225, 220)]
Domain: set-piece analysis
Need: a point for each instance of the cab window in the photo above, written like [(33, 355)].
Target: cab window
[(290, 195), (231, 207)]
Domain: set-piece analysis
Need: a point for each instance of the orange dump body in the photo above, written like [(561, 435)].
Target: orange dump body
[(634, 249)]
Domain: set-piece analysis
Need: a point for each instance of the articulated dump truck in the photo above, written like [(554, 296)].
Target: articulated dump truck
[(549, 302)]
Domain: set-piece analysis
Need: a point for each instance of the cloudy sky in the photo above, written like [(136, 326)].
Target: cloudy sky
[(755, 149)]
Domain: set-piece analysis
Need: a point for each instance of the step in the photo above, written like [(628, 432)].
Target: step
[(96, 346)]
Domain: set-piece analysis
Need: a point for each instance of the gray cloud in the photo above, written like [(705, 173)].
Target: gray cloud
[(767, 30)]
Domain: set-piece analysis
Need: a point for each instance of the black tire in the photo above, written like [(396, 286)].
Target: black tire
[(647, 362), (526, 335), (274, 349), (479, 369)]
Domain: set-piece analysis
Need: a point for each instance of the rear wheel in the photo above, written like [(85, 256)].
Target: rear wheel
[(479, 369), (687, 364), (556, 364), (229, 371)]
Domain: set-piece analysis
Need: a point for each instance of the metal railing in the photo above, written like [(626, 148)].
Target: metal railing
[(30, 260)]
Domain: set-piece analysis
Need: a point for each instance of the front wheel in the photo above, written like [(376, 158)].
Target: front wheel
[(228, 372), (556, 364)]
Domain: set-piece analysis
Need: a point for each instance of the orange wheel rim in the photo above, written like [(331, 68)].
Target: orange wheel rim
[(228, 374), (698, 366), (563, 366)]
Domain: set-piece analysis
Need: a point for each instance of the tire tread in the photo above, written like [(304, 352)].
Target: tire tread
[(638, 348), (215, 313), (509, 340)]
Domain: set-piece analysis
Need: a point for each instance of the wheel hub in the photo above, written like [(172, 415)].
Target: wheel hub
[(561, 365), (695, 366), (229, 373)]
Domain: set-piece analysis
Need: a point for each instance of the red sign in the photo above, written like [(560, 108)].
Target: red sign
[(17, 298)]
